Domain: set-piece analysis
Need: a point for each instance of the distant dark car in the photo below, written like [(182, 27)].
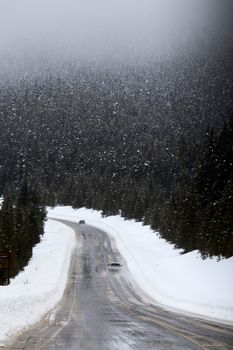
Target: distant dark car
[(81, 222), (114, 265)]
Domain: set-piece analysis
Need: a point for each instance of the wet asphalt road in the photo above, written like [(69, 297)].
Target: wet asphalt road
[(104, 310)]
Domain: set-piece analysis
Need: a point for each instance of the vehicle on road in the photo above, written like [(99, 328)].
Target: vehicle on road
[(114, 265), (81, 222)]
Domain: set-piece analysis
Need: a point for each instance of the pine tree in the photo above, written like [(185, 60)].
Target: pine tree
[(7, 224)]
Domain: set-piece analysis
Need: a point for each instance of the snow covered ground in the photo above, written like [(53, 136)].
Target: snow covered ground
[(38, 288), (185, 282)]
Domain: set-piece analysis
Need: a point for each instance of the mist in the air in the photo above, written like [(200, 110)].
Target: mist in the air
[(53, 30)]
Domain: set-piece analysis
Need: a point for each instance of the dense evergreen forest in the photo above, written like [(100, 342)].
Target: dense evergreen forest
[(152, 142), (21, 226)]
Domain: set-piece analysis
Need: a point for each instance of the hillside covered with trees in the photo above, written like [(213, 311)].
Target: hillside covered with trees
[(151, 141)]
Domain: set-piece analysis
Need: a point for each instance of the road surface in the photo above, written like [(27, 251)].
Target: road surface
[(104, 310)]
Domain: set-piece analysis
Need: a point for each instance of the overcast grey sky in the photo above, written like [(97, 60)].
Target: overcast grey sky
[(101, 28)]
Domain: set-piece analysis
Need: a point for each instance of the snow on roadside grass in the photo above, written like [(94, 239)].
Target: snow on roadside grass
[(38, 288), (185, 282)]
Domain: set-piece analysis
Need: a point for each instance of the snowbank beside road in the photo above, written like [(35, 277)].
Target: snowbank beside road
[(185, 282), (40, 286)]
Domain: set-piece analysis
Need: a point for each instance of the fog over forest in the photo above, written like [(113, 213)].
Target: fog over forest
[(39, 32)]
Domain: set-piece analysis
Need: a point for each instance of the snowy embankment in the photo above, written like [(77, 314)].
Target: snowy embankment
[(38, 288), (184, 282)]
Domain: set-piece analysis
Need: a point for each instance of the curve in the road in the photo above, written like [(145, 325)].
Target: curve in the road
[(103, 309)]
